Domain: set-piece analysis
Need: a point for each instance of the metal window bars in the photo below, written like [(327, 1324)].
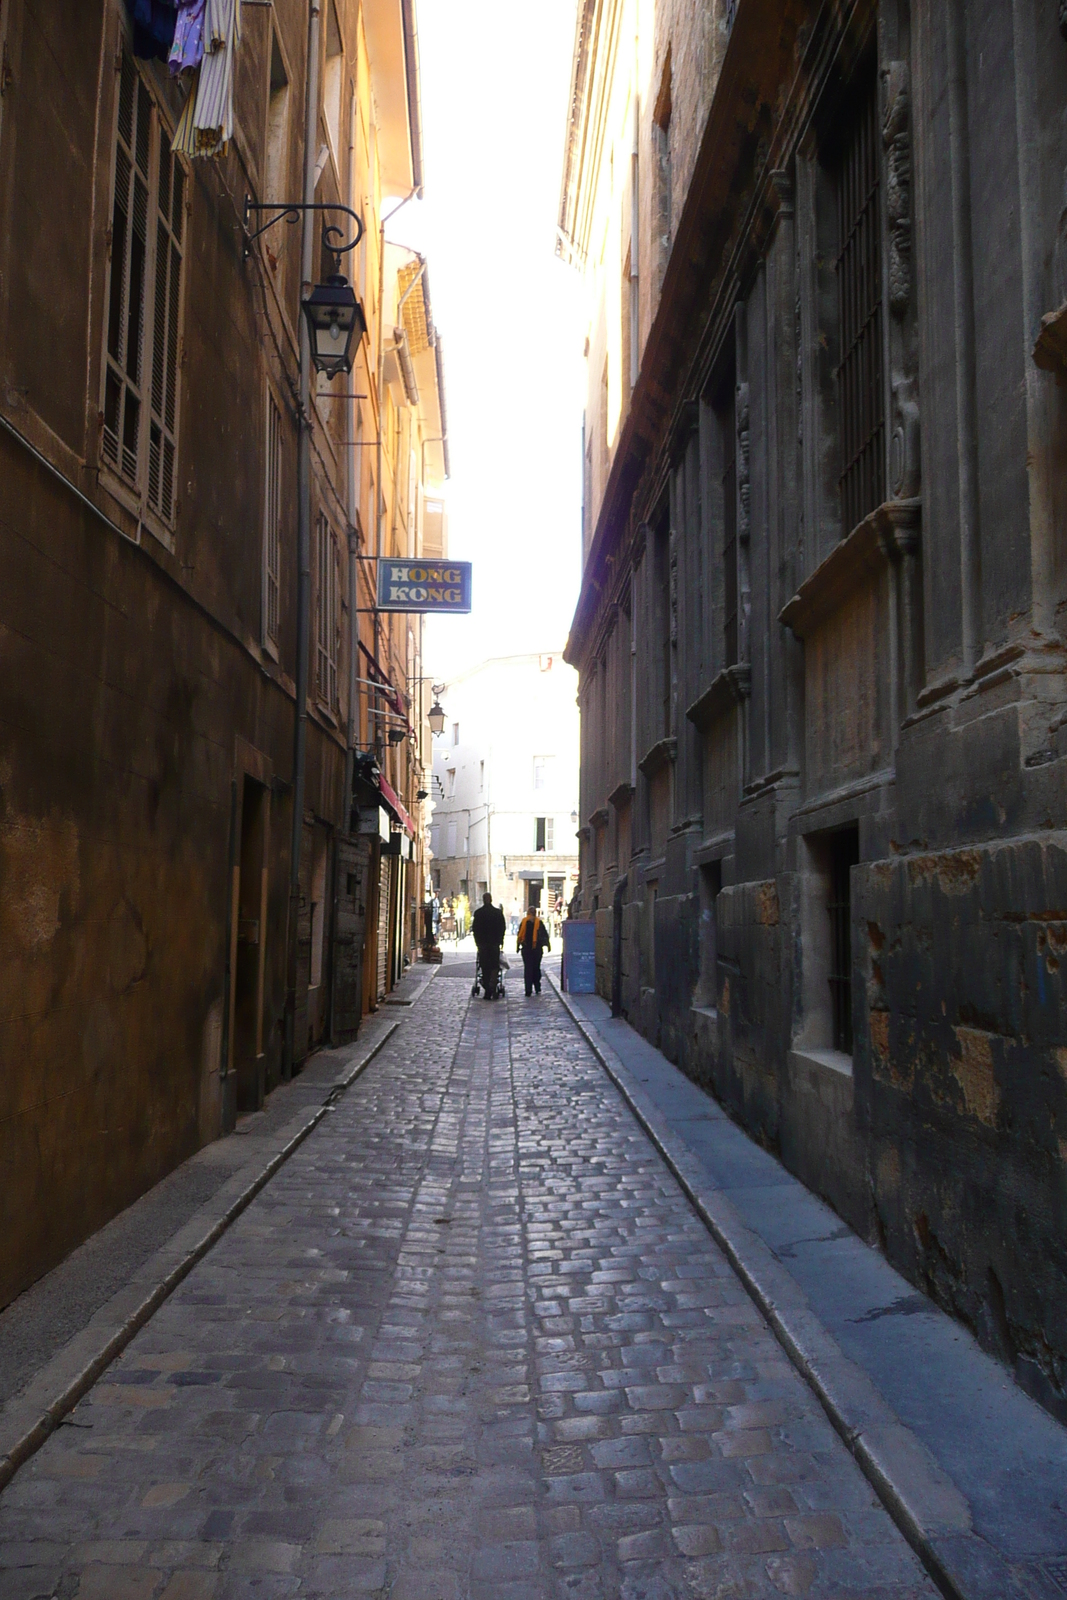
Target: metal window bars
[(860, 386)]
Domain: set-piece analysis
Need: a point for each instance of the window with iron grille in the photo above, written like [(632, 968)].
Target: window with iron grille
[(328, 619), (844, 855), (140, 436), (272, 525), (728, 432), (861, 402)]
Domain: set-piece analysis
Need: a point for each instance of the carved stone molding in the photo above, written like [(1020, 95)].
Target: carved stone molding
[(621, 795), (900, 527), (896, 140), (662, 754), (781, 192), (674, 588), (728, 689), (599, 817), (685, 425), (1050, 351), (905, 454), (744, 491)]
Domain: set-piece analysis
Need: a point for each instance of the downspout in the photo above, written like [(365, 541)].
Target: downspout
[(355, 484), (303, 581), (353, 652), (635, 248)]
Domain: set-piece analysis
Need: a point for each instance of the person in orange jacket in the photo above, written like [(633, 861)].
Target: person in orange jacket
[(532, 944)]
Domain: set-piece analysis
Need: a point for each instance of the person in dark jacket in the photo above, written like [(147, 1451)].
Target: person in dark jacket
[(532, 943), (489, 928)]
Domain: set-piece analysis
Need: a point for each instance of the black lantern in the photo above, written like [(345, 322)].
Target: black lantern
[(335, 323), (436, 718)]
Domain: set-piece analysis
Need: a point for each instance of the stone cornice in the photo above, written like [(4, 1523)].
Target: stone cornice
[(730, 688), (662, 754), (889, 531)]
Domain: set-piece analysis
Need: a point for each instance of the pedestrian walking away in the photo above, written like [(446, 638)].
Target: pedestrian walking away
[(489, 928), (532, 943)]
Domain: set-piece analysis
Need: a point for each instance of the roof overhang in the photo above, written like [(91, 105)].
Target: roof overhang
[(393, 48)]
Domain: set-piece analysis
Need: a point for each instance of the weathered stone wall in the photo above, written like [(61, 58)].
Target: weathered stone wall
[(962, 955), (137, 698), (118, 706), (895, 695)]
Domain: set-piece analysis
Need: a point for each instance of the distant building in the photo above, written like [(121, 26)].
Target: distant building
[(822, 630), (505, 784)]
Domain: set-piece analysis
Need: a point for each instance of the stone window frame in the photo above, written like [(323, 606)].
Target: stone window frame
[(273, 501), (815, 1035), (327, 614), (138, 477)]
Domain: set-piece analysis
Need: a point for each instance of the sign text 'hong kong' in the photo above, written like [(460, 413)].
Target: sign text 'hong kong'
[(424, 585)]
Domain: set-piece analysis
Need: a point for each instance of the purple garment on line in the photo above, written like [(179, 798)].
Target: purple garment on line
[(188, 47)]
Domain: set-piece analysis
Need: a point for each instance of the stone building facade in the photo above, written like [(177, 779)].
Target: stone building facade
[(156, 976), (820, 635)]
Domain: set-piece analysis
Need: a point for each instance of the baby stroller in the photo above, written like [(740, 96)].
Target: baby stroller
[(479, 981)]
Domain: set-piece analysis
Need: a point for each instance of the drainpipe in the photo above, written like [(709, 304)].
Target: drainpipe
[(303, 579), (355, 483)]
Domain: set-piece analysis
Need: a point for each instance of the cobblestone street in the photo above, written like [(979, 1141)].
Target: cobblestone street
[(470, 1340)]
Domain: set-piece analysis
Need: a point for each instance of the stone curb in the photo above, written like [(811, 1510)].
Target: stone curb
[(28, 1421), (922, 1500)]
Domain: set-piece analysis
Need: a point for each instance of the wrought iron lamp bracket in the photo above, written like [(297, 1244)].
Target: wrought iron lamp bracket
[(291, 211)]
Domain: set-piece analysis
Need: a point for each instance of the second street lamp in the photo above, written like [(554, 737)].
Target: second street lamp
[(436, 718)]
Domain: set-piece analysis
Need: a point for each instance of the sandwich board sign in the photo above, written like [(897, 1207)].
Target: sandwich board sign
[(579, 956), (423, 585)]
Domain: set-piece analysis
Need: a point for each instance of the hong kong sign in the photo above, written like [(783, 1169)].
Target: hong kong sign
[(424, 585)]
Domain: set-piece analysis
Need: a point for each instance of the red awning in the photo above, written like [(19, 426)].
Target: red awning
[(396, 806)]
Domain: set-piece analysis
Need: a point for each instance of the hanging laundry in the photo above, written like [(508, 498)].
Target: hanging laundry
[(206, 124), (153, 23), (187, 51)]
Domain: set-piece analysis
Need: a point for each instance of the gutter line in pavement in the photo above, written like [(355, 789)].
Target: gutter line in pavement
[(27, 1436), (926, 1506)]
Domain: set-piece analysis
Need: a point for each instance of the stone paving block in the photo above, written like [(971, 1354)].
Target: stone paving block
[(470, 1343), (191, 1586)]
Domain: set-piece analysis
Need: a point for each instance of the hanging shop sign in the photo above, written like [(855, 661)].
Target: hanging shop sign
[(424, 586), (375, 819)]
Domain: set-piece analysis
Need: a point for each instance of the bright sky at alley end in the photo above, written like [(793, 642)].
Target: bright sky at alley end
[(494, 92)]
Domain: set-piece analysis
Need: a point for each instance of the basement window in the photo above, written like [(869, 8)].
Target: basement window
[(824, 1034), (844, 854), (710, 888)]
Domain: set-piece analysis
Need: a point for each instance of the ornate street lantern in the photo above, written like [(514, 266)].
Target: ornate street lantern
[(336, 324)]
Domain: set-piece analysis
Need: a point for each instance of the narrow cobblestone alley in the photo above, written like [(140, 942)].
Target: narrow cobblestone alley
[(470, 1340)]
